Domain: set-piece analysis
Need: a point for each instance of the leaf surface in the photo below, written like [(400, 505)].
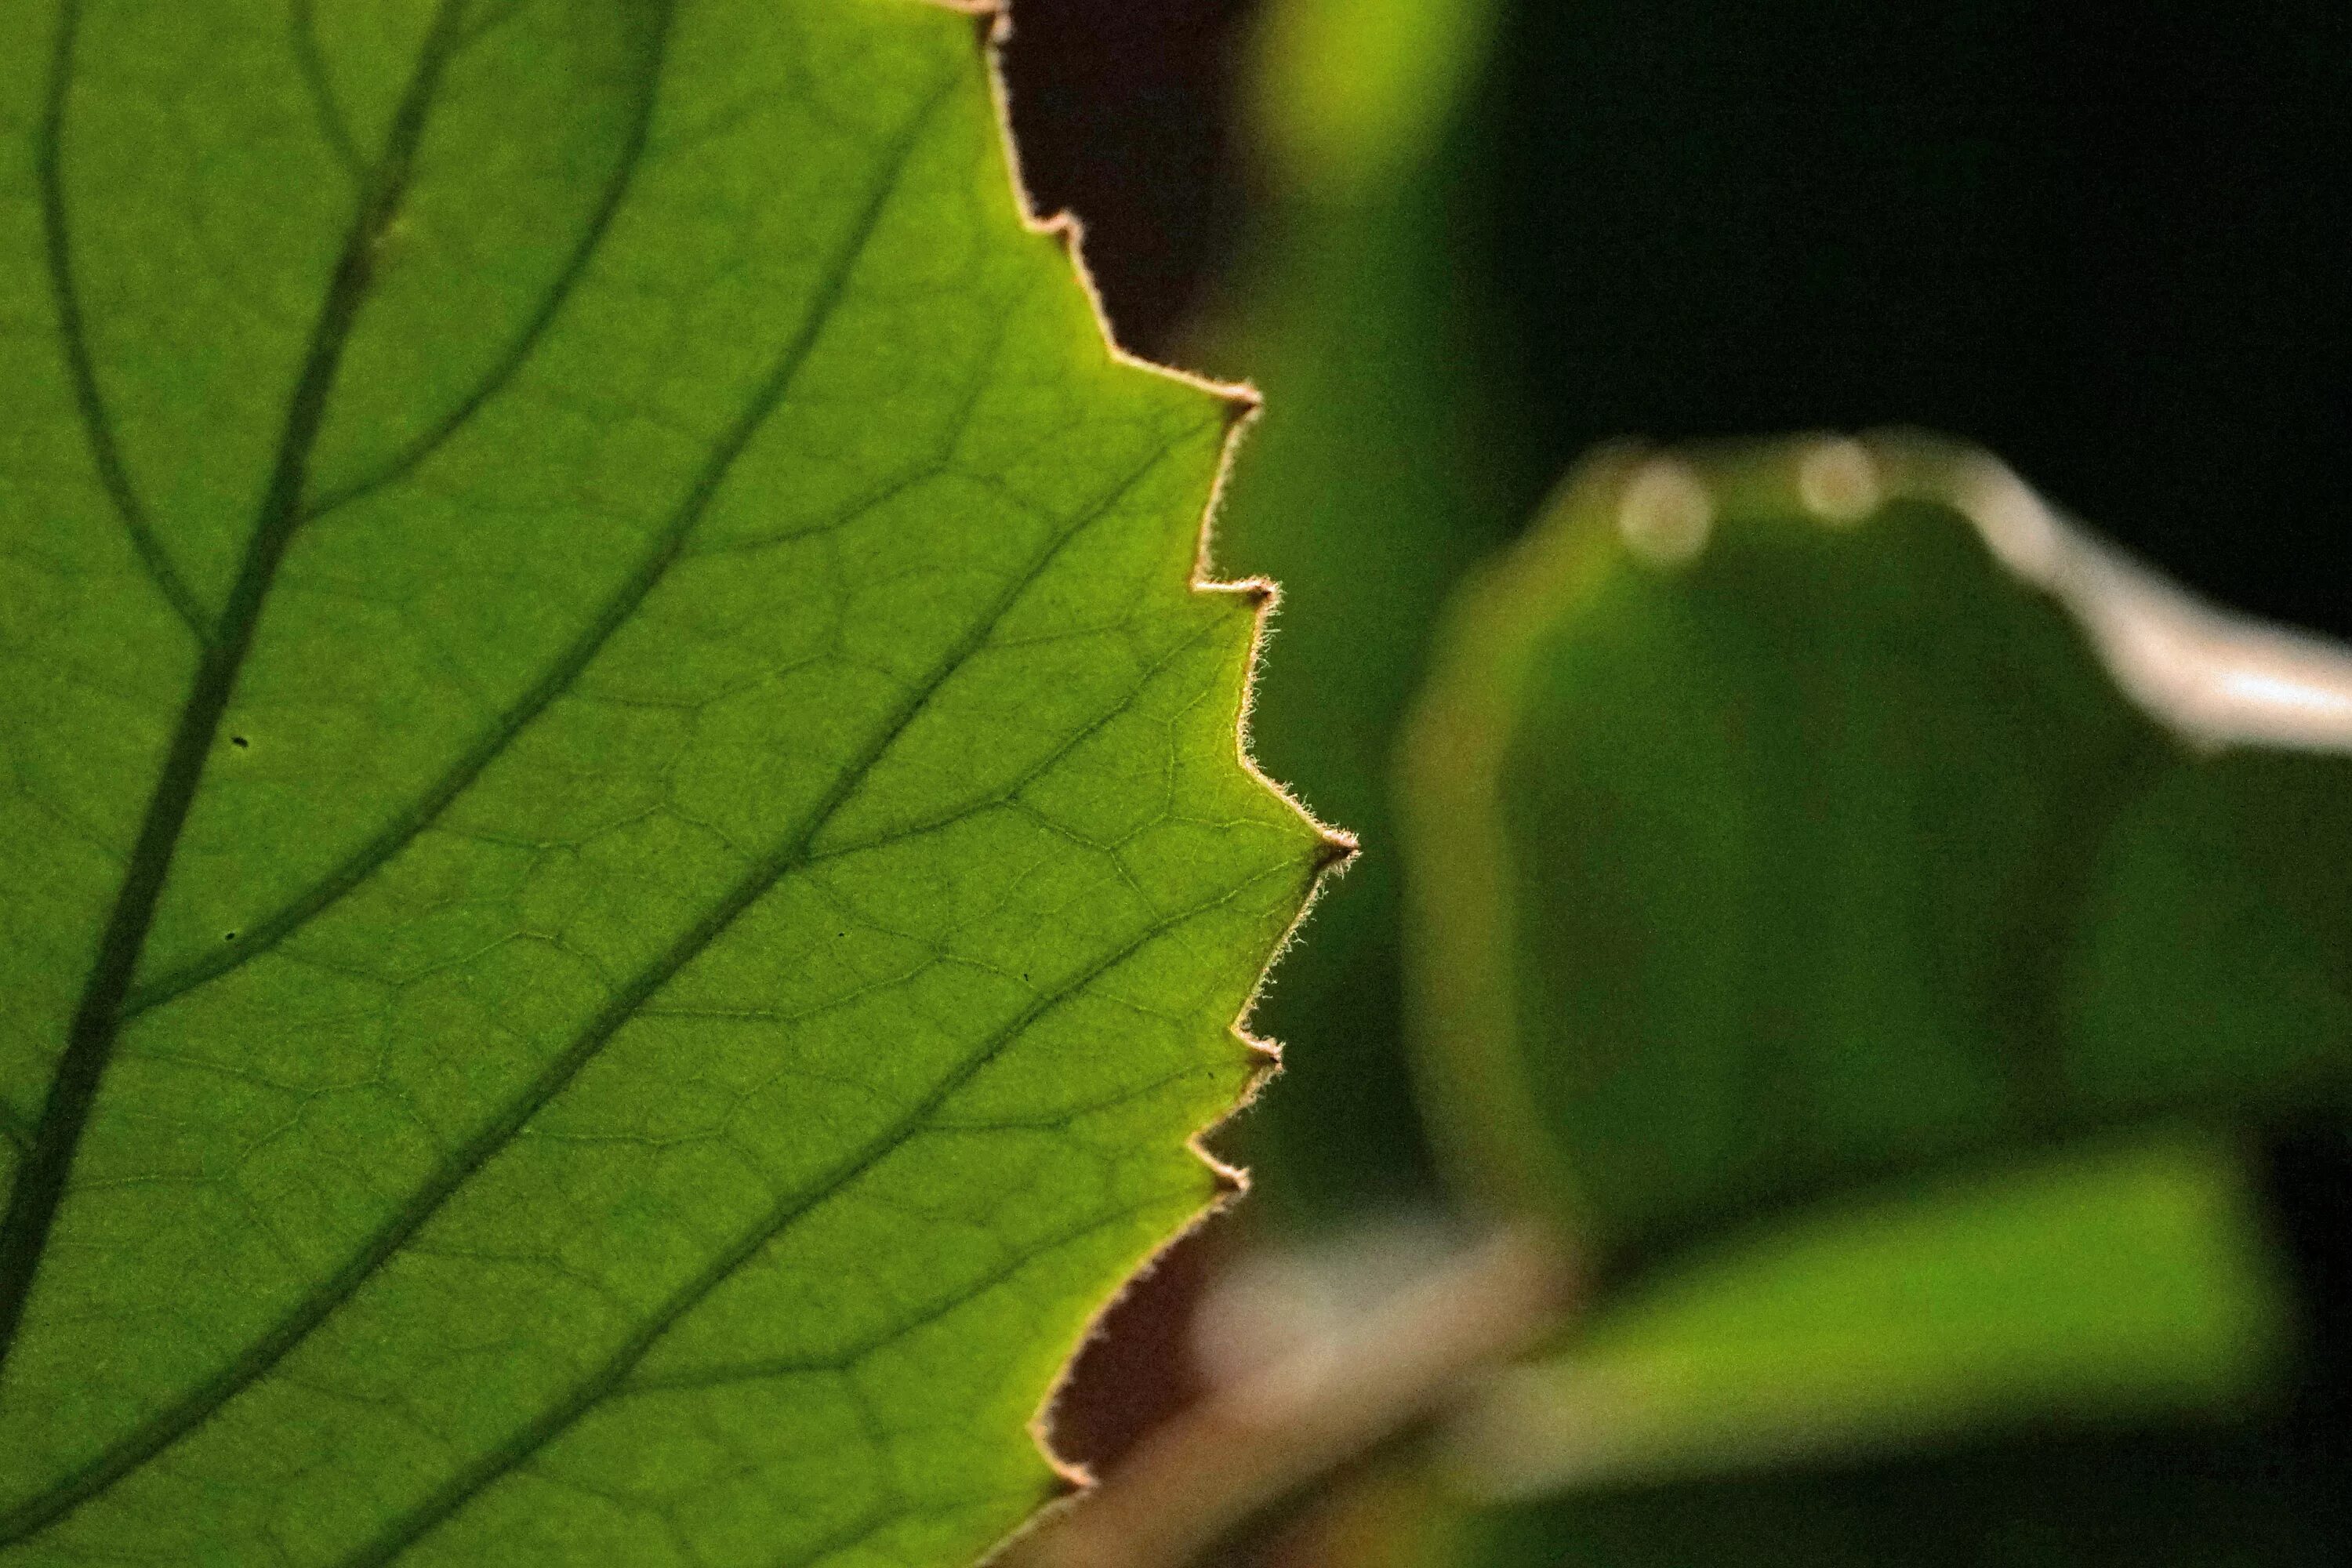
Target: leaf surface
[(625, 863), (1772, 837)]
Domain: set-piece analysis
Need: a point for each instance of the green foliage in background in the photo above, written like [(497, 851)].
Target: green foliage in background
[(1382, 467), (1905, 978), (2130, 1277), (1762, 848), (1804, 917), (623, 862)]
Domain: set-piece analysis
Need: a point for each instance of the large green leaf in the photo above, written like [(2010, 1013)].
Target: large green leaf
[(625, 861), (1772, 836)]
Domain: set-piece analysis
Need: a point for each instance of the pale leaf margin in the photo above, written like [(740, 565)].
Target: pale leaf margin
[(993, 20)]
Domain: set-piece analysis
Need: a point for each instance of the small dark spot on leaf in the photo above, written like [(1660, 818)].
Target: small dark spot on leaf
[(239, 741), (228, 936)]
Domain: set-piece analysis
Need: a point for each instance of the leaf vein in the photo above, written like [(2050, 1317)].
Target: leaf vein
[(168, 1425), (849, 1356), (610, 1377), (73, 333), (302, 24), (668, 547), (41, 1186), (856, 1533), (550, 305)]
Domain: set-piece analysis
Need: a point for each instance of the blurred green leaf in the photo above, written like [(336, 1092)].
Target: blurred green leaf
[(624, 860), (2126, 1281), (1771, 838), (1349, 95)]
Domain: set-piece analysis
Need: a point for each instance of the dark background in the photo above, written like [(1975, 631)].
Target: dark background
[(2109, 242), (1123, 114)]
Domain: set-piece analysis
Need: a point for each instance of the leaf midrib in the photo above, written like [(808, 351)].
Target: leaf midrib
[(109, 1001), (73, 1089)]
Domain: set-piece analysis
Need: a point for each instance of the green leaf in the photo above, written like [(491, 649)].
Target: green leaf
[(2124, 1282), (1794, 869), (1350, 97), (1771, 837), (624, 860)]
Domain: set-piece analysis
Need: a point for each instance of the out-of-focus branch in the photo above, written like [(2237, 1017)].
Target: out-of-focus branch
[(1263, 1435)]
